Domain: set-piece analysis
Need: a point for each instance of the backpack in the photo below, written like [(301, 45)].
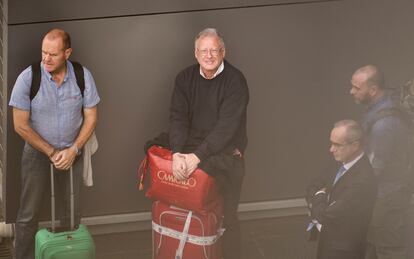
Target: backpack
[(404, 98), (406, 94), (37, 76)]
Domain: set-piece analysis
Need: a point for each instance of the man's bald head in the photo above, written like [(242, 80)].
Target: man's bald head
[(371, 75), (59, 34)]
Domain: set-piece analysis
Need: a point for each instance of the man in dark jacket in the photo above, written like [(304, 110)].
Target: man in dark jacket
[(341, 203), (208, 118), (388, 149)]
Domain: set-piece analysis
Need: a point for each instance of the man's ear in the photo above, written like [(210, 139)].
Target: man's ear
[(68, 51), (373, 90)]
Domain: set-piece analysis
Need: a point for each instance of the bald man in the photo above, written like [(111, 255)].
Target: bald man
[(387, 148), (55, 125), (342, 202)]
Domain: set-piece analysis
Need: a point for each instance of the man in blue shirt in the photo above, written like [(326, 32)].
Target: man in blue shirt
[(55, 125), (388, 149)]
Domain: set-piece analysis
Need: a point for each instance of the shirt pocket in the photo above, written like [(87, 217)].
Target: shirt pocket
[(72, 106)]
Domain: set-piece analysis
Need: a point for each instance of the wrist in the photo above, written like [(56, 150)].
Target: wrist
[(196, 158), (76, 149), (51, 154)]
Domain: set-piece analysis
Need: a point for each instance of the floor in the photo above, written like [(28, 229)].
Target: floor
[(279, 238), (276, 238)]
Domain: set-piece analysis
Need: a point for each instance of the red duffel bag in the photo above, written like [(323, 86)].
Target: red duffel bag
[(198, 193)]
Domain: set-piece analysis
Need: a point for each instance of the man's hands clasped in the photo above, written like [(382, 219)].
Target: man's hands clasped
[(184, 165), (63, 159)]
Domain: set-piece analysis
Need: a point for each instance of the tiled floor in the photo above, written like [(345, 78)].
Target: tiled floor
[(279, 238)]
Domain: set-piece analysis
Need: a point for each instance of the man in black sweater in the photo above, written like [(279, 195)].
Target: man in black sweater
[(208, 122)]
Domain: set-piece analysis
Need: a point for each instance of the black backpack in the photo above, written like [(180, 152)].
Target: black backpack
[(404, 98), (37, 76)]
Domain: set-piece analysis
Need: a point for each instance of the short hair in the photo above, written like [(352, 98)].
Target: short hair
[(209, 32), (59, 33), (374, 75), (354, 131)]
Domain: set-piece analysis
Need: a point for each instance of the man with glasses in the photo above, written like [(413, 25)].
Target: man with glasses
[(55, 125), (388, 149), (208, 120), (341, 203)]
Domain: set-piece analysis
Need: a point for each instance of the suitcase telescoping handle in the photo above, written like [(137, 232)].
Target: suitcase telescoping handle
[(52, 199)]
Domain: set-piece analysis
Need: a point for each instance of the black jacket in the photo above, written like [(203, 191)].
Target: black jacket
[(344, 211)]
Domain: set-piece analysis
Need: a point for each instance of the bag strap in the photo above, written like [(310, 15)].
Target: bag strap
[(192, 239), (184, 237), (80, 76), (383, 113), (37, 77), (142, 172)]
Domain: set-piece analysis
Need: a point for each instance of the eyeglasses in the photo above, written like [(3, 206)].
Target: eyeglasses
[(213, 52)]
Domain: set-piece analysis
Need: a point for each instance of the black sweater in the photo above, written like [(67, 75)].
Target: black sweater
[(209, 116)]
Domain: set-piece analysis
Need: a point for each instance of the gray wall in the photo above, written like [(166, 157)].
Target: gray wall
[(297, 58), (23, 11)]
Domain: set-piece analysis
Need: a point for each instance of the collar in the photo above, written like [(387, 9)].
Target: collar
[(49, 75), (378, 103), (350, 164), (219, 70)]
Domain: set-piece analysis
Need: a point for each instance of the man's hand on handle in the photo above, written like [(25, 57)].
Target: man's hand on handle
[(63, 159), (179, 166), (184, 165), (192, 162)]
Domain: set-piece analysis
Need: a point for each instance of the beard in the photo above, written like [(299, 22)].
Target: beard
[(365, 100)]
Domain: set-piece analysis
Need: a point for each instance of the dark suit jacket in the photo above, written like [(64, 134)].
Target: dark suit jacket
[(344, 211)]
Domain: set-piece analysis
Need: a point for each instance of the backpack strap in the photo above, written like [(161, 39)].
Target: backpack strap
[(395, 112), (80, 76), (37, 77), (386, 112)]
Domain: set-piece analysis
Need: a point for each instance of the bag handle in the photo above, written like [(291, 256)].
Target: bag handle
[(52, 199), (142, 172)]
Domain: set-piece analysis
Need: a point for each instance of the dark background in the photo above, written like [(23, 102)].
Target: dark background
[(297, 56)]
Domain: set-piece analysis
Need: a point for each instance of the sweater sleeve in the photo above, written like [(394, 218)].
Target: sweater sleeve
[(179, 115), (232, 113)]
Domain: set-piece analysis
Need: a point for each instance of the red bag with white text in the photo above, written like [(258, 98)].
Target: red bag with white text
[(198, 193)]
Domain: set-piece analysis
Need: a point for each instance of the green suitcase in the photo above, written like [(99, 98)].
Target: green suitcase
[(75, 243)]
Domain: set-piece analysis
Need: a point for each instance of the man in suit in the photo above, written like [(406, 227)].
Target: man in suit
[(341, 203)]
